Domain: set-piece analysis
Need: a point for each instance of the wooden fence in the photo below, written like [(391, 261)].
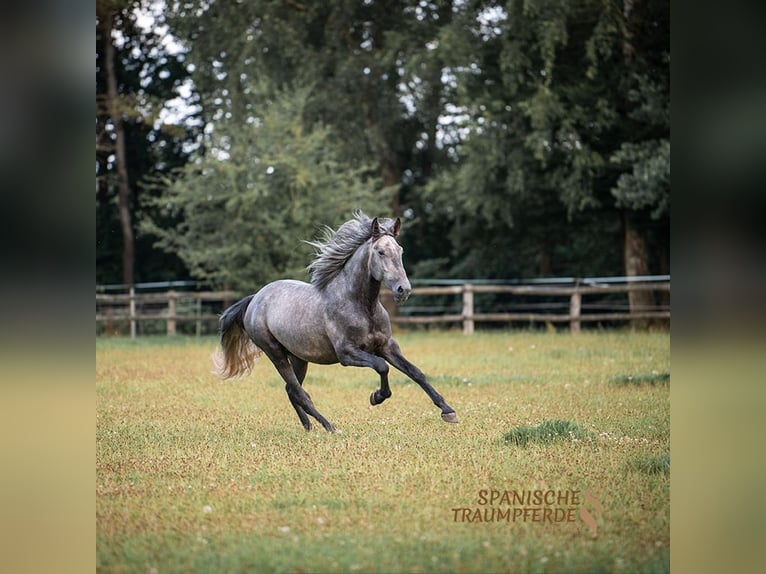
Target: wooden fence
[(133, 308), (574, 294)]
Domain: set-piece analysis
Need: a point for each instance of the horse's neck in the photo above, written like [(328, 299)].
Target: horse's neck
[(359, 284)]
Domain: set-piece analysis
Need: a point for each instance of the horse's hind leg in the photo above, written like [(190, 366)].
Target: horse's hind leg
[(298, 397), (299, 368)]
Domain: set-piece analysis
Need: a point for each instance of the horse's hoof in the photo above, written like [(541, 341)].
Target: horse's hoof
[(376, 398), (335, 430), (449, 417)]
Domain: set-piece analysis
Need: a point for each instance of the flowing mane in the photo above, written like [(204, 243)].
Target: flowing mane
[(336, 249)]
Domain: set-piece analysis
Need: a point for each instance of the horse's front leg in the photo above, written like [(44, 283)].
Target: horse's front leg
[(393, 354), (351, 356)]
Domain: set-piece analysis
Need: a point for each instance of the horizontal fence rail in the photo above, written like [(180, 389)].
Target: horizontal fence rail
[(508, 304), (170, 307)]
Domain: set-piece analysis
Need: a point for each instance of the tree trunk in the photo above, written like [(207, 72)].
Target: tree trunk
[(546, 259), (637, 264), (123, 183)]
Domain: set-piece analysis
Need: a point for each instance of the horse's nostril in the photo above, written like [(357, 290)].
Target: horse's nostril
[(400, 289)]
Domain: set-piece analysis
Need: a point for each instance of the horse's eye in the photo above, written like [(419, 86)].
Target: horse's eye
[(381, 252)]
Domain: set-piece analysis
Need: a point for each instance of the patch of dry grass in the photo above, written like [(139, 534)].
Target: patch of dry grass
[(194, 473)]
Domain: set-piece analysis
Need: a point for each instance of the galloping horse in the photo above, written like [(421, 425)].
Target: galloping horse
[(337, 318)]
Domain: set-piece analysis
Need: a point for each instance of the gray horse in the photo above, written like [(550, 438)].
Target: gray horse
[(337, 318)]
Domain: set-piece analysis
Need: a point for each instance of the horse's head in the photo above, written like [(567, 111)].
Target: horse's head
[(386, 259)]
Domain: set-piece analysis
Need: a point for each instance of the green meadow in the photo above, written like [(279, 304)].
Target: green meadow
[(195, 474)]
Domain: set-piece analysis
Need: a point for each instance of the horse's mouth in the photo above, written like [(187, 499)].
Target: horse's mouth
[(399, 299)]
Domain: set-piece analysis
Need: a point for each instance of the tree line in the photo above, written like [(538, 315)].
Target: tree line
[(515, 139)]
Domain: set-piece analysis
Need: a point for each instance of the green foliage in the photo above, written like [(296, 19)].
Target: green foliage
[(565, 125), (544, 433), (642, 379), (515, 137), (148, 74), (647, 185), (655, 464), (310, 92), (243, 209)]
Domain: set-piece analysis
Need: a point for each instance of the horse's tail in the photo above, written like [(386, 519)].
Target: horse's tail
[(237, 353)]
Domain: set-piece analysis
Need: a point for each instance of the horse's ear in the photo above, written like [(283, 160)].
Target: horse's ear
[(375, 228), (397, 227)]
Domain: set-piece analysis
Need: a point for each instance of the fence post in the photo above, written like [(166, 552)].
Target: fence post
[(171, 322), (467, 309), (132, 311), (574, 311)]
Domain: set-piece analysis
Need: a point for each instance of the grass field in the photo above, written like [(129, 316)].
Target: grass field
[(195, 474)]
